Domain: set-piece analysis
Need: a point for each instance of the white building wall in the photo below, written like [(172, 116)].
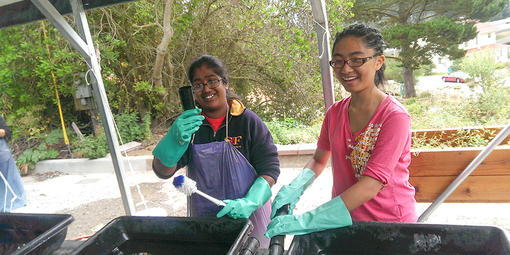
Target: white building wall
[(481, 40), (441, 64)]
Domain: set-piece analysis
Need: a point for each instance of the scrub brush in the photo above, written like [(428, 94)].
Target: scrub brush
[(189, 186)]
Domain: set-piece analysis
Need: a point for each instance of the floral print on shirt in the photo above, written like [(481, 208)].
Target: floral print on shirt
[(362, 148)]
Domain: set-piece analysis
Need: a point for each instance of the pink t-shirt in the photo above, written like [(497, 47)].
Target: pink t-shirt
[(380, 150)]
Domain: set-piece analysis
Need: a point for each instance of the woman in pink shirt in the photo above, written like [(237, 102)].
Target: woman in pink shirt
[(368, 137)]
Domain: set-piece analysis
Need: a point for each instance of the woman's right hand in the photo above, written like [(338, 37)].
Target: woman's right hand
[(170, 149), (289, 194)]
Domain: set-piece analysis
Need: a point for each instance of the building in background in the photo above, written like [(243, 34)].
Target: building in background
[(493, 36)]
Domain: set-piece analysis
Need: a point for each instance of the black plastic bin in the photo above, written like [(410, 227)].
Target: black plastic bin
[(28, 233), (403, 238), (168, 235)]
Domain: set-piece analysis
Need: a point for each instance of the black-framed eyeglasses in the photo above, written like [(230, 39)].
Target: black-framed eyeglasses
[(353, 62), (211, 84)]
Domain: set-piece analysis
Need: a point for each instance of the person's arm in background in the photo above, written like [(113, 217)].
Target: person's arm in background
[(5, 132), (318, 162), (161, 170)]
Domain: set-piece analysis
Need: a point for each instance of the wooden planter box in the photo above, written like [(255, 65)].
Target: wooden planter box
[(451, 136), (431, 171)]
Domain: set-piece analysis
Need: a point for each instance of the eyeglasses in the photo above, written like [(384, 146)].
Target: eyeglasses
[(353, 62), (211, 84)]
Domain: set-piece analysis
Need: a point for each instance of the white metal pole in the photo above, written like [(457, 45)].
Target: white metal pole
[(321, 26)]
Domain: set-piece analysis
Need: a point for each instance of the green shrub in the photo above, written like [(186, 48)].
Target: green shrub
[(482, 66), (32, 156), (130, 128), (43, 151), (289, 131), (414, 106), (464, 138), (393, 70), (492, 107), (91, 147)]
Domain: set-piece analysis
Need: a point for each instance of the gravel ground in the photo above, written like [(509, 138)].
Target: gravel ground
[(94, 200)]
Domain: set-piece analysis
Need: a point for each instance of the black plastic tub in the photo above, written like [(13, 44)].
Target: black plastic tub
[(27, 233), (403, 238), (168, 235)]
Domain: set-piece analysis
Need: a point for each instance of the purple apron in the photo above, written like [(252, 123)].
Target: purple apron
[(223, 172)]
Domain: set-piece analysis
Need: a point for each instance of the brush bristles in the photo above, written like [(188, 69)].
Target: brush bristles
[(178, 180), (186, 186)]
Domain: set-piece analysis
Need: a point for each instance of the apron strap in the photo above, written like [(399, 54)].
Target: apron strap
[(226, 121)]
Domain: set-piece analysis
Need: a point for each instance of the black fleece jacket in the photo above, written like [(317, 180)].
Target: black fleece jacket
[(248, 133)]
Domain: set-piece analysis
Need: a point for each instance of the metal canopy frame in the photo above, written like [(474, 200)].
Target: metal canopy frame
[(81, 41), (16, 12), (321, 26)]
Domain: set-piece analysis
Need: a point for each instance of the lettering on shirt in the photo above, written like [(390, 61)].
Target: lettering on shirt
[(235, 141), (361, 151)]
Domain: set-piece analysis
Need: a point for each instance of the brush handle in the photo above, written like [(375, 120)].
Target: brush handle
[(212, 199)]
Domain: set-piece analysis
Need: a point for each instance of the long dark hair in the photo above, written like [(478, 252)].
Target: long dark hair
[(216, 65), (372, 39)]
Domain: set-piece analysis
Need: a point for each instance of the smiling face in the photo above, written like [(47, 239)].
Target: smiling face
[(212, 101), (356, 79)]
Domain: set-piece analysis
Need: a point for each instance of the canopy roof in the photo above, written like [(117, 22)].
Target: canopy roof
[(16, 12)]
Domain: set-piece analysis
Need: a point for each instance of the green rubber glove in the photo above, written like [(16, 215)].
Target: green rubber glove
[(289, 194), (332, 214), (258, 194), (170, 149)]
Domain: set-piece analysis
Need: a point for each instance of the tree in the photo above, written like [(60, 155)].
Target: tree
[(27, 92), (420, 29), (146, 46), (482, 67), (162, 49)]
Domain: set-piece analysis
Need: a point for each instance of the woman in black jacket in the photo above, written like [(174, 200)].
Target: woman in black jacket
[(232, 155)]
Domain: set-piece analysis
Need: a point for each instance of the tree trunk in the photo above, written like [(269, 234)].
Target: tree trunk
[(409, 82), (162, 49)]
